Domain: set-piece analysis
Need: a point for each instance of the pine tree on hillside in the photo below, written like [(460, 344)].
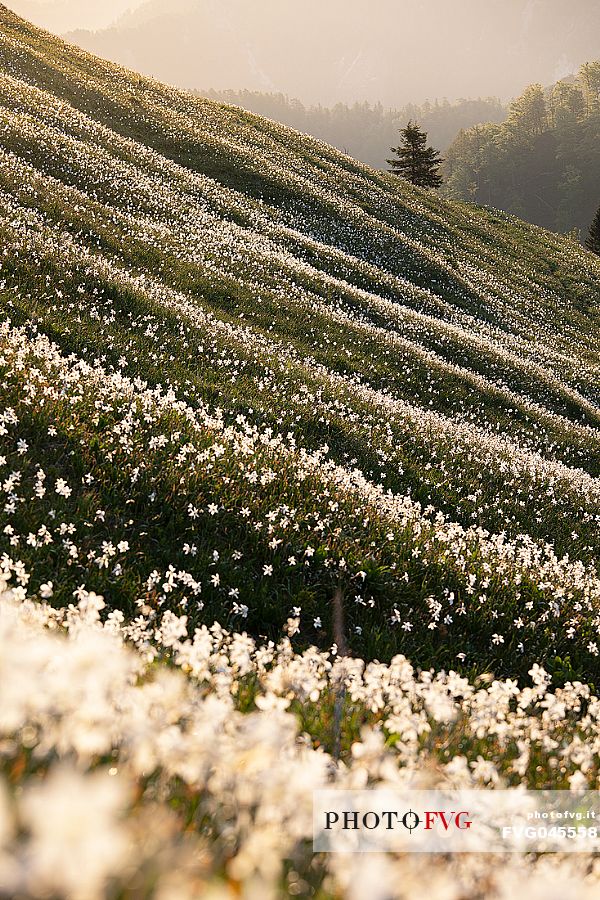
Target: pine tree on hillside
[(414, 160), (593, 239)]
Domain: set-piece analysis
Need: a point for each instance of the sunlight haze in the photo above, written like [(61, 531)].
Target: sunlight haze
[(393, 51)]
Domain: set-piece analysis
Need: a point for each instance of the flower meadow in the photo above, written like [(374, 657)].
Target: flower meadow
[(139, 761), (299, 487)]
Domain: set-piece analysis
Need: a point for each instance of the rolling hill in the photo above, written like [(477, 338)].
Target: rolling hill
[(272, 424), (272, 373)]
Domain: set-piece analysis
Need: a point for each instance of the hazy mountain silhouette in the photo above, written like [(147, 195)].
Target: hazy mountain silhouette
[(348, 50)]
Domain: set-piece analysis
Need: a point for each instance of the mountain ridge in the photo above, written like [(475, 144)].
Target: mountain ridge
[(357, 53)]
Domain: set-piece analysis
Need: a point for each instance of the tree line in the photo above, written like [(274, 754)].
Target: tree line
[(543, 162), (539, 159), (365, 130)]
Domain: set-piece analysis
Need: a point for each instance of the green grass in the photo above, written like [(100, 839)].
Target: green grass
[(448, 353)]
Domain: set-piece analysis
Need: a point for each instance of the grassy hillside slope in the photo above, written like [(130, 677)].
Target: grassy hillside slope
[(242, 374)]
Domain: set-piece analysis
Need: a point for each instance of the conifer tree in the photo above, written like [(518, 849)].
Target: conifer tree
[(593, 239), (414, 160)]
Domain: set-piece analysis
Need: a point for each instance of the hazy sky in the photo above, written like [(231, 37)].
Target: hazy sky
[(65, 15), (395, 51)]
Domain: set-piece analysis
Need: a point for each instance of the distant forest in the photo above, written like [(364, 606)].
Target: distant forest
[(539, 158), (543, 162), (363, 130)]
